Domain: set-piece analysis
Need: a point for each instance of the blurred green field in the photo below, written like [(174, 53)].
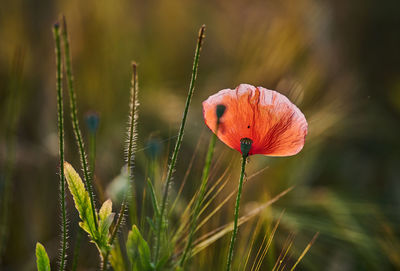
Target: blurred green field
[(338, 61)]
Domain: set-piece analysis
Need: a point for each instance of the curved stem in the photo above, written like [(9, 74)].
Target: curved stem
[(236, 215), (179, 140), (60, 109)]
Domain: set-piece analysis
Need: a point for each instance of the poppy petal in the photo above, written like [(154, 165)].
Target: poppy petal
[(274, 124)]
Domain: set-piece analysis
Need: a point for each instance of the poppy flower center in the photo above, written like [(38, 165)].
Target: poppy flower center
[(245, 146)]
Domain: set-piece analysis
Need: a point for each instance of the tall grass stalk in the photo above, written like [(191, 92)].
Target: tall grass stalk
[(179, 140), (92, 122), (131, 148), (75, 122), (236, 214), (60, 110)]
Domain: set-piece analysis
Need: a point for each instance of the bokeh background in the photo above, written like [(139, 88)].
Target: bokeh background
[(338, 61)]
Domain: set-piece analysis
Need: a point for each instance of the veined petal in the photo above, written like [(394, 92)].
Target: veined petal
[(274, 124)]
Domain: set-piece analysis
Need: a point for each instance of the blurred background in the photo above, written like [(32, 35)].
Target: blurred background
[(338, 61)]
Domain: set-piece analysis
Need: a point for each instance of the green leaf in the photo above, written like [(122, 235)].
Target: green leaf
[(81, 199), (42, 260), (105, 210), (138, 251), (106, 218)]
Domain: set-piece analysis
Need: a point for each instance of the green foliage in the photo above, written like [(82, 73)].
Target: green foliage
[(173, 238), (138, 251), (101, 235), (81, 199), (42, 260)]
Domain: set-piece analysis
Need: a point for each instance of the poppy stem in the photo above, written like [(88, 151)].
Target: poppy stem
[(236, 214)]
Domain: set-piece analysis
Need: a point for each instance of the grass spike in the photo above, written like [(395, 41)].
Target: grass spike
[(60, 110), (75, 122), (179, 139), (131, 148)]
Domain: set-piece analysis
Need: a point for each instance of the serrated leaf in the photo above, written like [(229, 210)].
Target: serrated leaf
[(138, 251), (42, 260), (81, 199)]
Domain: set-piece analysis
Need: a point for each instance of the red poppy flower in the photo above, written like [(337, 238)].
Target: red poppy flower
[(265, 118)]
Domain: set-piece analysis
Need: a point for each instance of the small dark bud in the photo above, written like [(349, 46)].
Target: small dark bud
[(92, 121), (220, 110), (245, 146)]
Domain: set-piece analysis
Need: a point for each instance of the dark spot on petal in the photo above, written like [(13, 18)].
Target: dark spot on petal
[(248, 126)]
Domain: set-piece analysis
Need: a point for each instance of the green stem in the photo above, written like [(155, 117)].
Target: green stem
[(236, 215), (60, 109), (199, 200), (75, 122), (179, 139), (130, 150)]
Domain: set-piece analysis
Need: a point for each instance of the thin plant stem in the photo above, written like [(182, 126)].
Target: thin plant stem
[(92, 128), (236, 214), (60, 109), (199, 200), (75, 122), (179, 140), (131, 147)]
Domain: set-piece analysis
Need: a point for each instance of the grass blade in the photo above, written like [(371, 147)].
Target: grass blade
[(212, 236), (199, 200), (305, 250)]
